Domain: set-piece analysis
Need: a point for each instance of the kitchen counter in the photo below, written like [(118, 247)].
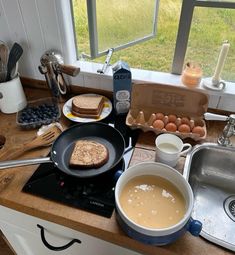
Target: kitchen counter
[(13, 180)]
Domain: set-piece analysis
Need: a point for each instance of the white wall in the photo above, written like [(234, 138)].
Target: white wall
[(37, 26)]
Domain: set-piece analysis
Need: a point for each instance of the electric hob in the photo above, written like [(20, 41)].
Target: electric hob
[(95, 194)]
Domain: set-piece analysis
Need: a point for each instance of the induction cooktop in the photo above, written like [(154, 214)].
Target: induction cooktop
[(95, 194)]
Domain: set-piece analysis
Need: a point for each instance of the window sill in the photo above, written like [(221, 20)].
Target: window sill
[(89, 77)]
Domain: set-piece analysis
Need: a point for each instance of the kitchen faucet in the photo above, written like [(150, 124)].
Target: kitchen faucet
[(229, 130)]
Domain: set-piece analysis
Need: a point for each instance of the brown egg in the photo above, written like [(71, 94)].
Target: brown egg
[(184, 128), (159, 116), (185, 120), (171, 127), (198, 130), (159, 124), (172, 118)]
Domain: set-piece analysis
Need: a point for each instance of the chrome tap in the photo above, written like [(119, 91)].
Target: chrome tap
[(229, 130)]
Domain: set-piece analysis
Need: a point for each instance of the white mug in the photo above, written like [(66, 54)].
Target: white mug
[(12, 97), (169, 148)]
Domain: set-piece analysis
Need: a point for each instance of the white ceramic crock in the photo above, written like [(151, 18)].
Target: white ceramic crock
[(12, 97), (157, 236)]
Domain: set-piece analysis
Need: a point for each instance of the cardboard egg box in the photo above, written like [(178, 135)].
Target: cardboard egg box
[(149, 99)]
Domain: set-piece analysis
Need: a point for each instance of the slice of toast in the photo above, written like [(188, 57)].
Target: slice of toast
[(89, 114), (88, 104), (88, 154)]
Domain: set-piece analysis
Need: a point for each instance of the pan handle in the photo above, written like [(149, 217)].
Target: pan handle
[(24, 162)]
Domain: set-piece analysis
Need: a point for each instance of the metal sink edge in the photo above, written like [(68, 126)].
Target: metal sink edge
[(186, 174)]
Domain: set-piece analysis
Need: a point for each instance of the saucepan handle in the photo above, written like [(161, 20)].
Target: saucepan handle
[(194, 227), (24, 162)]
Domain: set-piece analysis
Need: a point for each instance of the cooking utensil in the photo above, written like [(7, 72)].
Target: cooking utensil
[(62, 86), (63, 146), (52, 66), (3, 52), (14, 71), (3, 73), (14, 55), (57, 61), (3, 61), (50, 78), (151, 235), (42, 140)]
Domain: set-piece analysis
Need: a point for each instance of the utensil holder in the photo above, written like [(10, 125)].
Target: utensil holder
[(12, 97)]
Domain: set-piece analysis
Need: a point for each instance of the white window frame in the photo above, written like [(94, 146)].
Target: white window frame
[(185, 26), (90, 78), (93, 31)]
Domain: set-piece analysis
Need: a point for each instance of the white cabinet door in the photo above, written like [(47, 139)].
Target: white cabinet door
[(27, 243), (26, 237)]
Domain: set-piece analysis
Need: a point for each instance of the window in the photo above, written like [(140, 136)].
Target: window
[(141, 55), (187, 30), (203, 26), (207, 49), (112, 24)]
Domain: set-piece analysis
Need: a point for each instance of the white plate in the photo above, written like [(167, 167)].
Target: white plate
[(105, 112)]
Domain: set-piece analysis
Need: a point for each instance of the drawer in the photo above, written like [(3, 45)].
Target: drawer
[(25, 233)]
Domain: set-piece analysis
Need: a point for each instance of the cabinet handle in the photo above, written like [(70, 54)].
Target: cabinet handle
[(54, 248)]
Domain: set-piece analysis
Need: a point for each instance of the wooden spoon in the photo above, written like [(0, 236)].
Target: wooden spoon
[(44, 139), (3, 61), (3, 53)]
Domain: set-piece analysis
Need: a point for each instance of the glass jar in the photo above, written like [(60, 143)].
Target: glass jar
[(191, 75)]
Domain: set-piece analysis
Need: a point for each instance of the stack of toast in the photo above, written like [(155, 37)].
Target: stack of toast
[(87, 106)]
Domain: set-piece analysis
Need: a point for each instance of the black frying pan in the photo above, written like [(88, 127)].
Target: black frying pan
[(62, 148)]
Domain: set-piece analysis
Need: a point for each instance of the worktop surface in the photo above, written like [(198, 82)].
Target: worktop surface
[(13, 180)]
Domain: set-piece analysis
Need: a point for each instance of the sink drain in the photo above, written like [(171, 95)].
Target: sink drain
[(229, 207)]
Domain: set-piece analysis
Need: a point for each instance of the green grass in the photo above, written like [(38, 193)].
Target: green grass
[(210, 27)]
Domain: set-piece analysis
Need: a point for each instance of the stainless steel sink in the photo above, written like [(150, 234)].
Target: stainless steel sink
[(210, 170)]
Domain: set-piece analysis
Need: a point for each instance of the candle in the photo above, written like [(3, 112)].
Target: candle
[(191, 75), (220, 63)]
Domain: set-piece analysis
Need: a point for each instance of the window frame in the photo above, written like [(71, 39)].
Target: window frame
[(93, 31), (186, 16)]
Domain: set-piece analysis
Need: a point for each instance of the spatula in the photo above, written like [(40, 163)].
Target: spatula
[(14, 55), (44, 139)]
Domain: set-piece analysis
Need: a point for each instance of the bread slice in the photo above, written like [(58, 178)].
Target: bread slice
[(87, 105), (88, 154), (89, 114)]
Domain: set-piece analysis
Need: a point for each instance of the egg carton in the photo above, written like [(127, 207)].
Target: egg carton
[(140, 121)]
